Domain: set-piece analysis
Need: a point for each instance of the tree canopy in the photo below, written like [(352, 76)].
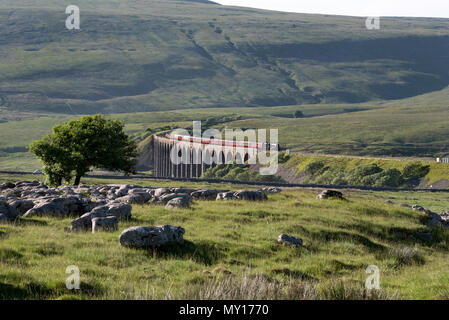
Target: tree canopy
[(298, 114), (78, 146)]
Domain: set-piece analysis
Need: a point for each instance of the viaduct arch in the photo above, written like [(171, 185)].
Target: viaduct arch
[(193, 156)]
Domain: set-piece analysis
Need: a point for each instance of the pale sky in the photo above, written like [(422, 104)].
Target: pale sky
[(365, 8)]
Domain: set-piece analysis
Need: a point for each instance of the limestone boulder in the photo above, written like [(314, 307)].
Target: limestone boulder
[(225, 196), (7, 213), (250, 195), (164, 199), (330, 194), (135, 198), (58, 207), (288, 240), (22, 206), (152, 237), (206, 194), (178, 203), (271, 190), (121, 211), (109, 223), (7, 185)]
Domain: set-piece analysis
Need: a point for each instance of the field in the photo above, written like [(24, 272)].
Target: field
[(230, 243)]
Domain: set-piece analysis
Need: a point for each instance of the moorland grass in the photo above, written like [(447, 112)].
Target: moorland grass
[(231, 251)]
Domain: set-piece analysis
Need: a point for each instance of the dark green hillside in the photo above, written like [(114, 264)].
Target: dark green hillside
[(157, 55)]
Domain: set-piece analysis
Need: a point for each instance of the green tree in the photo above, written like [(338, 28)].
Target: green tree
[(74, 148), (298, 114), (415, 170)]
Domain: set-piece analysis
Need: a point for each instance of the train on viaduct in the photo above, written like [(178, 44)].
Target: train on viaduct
[(180, 156)]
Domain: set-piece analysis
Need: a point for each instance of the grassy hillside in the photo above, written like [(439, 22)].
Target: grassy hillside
[(19, 129), (301, 168), (340, 240), (419, 130), (159, 55)]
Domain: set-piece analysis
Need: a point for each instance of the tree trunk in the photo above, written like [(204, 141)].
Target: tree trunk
[(77, 181), (59, 182)]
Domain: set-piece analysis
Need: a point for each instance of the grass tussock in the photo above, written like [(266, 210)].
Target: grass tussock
[(406, 255), (260, 287), (253, 287), (348, 290)]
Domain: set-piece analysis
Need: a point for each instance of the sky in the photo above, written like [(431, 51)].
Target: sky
[(365, 8)]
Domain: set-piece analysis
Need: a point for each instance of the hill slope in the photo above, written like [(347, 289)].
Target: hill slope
[(157, 55)]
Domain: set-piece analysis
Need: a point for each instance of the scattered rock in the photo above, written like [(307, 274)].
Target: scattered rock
[(389, 202), (224, 196), (119, 210), (417, 207), (7, 213), (135, 198), (164, 199), (438, 220), (426, 236), (330, 194), (181, 202), (206, 194), (161, 191), (242, 195), (22, 206), (58, 207), (152, 237), (404, 205), (250, 195), (7, 185), (288, 240), (109, 223), (271, 190), (116, 209)]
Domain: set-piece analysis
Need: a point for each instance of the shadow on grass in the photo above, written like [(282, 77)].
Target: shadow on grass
[(207, 253), (10, 256), (10, 292), (37, 290), (327, 236), (29, 222), (295, 274)]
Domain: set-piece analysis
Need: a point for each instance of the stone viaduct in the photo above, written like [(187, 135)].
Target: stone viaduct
[(192, 156)]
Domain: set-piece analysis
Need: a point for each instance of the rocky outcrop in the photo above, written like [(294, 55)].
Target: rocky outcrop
[(59, 207), (288, 240), (330, 194), (152, 237)]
